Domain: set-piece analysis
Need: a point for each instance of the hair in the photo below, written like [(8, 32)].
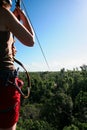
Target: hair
[(5, 2), (1, 2)]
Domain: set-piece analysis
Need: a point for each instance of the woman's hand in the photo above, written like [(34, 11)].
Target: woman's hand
[(15, 12), (19, 14), (14, 51)]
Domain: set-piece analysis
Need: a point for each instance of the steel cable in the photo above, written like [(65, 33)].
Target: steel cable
[(36, 36)]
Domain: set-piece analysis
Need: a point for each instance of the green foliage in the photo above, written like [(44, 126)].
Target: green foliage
[(35, 125), (58, 101), (58, 110), (72, 127), (82, 126)]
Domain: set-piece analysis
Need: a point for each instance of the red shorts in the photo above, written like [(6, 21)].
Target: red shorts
[(9, 105)]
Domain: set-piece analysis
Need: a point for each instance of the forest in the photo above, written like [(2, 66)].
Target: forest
[(58, 100)]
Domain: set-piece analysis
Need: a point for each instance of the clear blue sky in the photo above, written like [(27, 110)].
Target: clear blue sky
[(61, 27)]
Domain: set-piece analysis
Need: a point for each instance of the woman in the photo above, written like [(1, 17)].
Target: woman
[(9, 26)]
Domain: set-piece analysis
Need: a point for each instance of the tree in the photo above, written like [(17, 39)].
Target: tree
[(72, 127), (81, 107), (58, 110)]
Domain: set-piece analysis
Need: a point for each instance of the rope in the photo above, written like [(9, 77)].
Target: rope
[(36, 36), (28, 79)]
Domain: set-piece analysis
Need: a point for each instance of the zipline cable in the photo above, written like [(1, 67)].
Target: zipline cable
[(36, 36)]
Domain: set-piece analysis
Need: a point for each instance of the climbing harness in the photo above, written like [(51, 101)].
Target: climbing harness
[(15, 84), (11, 78)]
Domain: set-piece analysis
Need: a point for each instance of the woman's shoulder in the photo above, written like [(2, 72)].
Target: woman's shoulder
[(6, 17), (5, 13), (3, 19)]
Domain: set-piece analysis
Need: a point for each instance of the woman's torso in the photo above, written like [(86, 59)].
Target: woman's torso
[(6, 56), (6, 41)]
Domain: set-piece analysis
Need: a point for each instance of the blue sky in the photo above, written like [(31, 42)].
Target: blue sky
[(61, 27)]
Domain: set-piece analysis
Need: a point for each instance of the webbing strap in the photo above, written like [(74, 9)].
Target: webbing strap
[(28, 79)]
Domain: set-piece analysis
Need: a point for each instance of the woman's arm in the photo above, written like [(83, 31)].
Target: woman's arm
[(21, 16), (24, 33)]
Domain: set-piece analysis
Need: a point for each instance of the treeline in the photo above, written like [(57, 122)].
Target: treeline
[(58, 101)]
